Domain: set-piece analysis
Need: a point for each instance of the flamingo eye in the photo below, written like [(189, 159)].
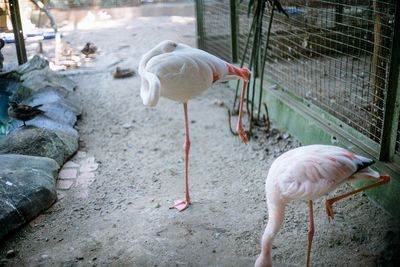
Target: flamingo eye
[(170, 47)]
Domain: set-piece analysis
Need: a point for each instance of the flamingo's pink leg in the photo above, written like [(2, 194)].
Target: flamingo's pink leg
[(245, 75), (384, 179), (182, 204), (310, 232)]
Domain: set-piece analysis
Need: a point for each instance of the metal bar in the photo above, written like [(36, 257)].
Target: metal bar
[(200, 23), (45, 10), (264, 58), (378, 81), (18, 33), (253, 25), (234, 30), (392, 102)]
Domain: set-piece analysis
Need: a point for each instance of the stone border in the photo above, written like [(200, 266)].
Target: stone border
[(31, 156)]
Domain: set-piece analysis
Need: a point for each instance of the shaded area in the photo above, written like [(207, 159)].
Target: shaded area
[(27, 187), (123, 218), (31, 155)]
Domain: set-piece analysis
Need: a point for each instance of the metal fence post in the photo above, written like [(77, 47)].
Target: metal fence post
[(200, 23), (234, 30), (18, 33), (392, 101)]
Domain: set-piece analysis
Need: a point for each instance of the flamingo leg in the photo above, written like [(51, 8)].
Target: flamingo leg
[(310, 232), (182, 204), (239, 127), (383, 179), (245, 75)]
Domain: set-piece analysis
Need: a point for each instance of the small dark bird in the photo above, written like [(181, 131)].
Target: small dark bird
[(88, 49), (24, 112), (1, 54), (123, 73)]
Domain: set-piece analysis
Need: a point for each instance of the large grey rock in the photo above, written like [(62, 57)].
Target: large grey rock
[(52, 96), (60, 114), (35, 63), (37, 76), (27, 182), (47, 77), (27, 187), (39, 142)]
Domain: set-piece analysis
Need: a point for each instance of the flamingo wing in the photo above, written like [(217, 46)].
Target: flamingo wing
[(182, 74), (179, 72), (312, 171)]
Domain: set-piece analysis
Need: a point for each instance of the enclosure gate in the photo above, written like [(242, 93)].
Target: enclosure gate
[(339, 59)]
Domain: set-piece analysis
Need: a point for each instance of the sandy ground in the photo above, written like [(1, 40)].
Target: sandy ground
[(124, 220)]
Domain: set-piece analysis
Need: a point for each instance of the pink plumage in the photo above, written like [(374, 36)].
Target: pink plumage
[(306, 173), (310, 172)]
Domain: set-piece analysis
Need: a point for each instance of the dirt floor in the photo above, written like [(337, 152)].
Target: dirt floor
[(123, 219)]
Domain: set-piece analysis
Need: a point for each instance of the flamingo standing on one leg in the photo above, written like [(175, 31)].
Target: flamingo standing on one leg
[(307, 173), (180, 72)]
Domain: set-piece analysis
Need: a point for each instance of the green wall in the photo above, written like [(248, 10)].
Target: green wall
[(311, 126)]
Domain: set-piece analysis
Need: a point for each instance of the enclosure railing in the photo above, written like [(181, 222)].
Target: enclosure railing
[(337, 58)]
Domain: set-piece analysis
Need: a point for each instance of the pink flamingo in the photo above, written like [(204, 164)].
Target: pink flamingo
[(307, 173), (180, 72)]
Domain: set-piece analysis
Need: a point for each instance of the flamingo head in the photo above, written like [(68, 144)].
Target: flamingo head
[(166, 46)]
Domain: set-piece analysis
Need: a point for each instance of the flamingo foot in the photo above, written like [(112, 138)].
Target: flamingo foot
[(180, 204), (242, 135)]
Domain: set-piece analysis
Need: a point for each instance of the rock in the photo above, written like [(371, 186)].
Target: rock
[(285, 136), (67, 95), (218, 102), (11, 254), (35, 76), (51, 95), (46, 77), (127, 125), (27, 187), (36, 63), (59, 115), (4, 262), (21, 93), (40, 142)]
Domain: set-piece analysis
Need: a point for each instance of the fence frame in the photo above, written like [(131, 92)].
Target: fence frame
[(392, 103), (309, 126)]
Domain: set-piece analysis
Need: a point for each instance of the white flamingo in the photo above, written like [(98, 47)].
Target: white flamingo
[(307, 173), (180, 72)]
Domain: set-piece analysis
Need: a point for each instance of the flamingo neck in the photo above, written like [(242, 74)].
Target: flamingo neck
[(243, 73), (146, 57), (275, 221)]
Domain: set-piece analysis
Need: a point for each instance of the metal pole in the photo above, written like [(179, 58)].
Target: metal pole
[(234, 31), (392, 100), (18, 33), (200, 23)]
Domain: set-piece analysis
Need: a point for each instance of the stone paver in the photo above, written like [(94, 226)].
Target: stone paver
[(88, 167), (71, 164), (78, 172), (68, 173), (64, 184)]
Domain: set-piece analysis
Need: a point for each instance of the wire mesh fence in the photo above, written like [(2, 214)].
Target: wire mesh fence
[(217, 28), (331, 54)]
